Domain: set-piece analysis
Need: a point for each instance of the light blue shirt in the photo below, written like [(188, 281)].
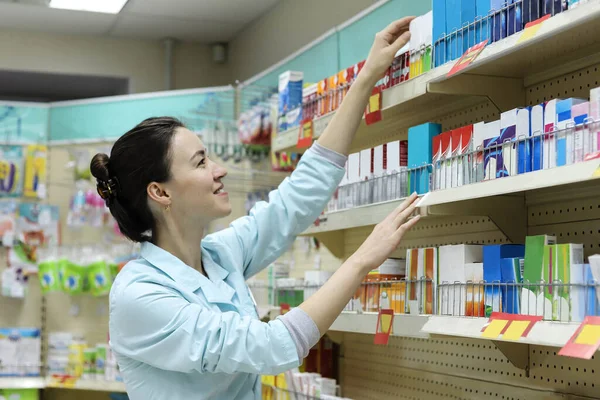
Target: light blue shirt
[(178, 334)]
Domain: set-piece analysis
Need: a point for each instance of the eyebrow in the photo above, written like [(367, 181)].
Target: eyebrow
[(198, 153)]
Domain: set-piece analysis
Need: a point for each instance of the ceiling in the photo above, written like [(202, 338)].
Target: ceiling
[(203, 21)]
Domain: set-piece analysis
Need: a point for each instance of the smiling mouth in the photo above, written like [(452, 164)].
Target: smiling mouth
[(220, 190)]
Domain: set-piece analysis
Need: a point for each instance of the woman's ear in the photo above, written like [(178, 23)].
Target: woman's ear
[(159, 194)]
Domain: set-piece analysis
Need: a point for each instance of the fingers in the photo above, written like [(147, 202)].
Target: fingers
[(397, 27), (400, 42), (405, 214), (407, 202), (407, 226)]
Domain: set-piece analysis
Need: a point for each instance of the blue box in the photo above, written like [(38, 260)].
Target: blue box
[(420, 139), (483, 27), (492, 272), (524, 138), (498, 20), (290, 91), (468, 12), (531, 11), (537, 130), (514, 22), (564, 120), (553, 7), (511, 269), (439, 31), (453, 27)]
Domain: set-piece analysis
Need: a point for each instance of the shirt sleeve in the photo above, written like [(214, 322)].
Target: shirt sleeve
[(270, 228), (154, 324)]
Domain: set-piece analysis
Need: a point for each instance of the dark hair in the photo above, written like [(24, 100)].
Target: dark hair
[(139, 157)]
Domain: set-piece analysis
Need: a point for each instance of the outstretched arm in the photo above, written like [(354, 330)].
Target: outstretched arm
[(341, 130)]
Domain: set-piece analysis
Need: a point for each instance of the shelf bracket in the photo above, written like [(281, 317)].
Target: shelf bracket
[(508, 213), (504, 93), (516, 353), (334, 241)]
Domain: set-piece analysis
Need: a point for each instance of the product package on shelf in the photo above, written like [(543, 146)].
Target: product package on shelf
[(290, 100), (453, 259), (20, 352), (492, 273), (420, 155), (422, 277)]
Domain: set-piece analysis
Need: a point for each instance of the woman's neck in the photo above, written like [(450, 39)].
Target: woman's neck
[(183, 244)]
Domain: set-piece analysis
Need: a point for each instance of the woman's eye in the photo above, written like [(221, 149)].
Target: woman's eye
[(202, 162)]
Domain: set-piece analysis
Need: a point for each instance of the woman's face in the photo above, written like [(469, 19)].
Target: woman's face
[(195, 186)]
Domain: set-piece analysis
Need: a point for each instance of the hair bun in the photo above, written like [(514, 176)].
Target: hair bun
[(99, 167)]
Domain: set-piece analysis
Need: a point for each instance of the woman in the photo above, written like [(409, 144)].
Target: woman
[(182, 320)]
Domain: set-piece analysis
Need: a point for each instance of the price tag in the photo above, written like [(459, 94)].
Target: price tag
[(305, 134), (509, 326), (385, 322), (531, 28), (467, 58), (585, 341), (373, 111)]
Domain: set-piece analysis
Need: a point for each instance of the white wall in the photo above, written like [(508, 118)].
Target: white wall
[(140, 60), (287, 27)]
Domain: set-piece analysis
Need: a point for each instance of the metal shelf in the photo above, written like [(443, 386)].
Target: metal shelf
[(22, 383), (500, 74), (494, 199), (404, 325), (544, 333)]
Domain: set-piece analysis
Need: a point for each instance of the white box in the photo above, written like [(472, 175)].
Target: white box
[(595, 116), (549, 146), (451, 269)]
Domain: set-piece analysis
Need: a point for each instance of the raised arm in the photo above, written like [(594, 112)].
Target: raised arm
[(341, 130), (271, 227)]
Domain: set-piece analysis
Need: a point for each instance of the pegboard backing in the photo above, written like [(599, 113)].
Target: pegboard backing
[(485, 110), (572, 217), (411, 368), (573, 84)]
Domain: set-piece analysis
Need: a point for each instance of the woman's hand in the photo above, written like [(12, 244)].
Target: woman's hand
[(386, 45), (386, 236)]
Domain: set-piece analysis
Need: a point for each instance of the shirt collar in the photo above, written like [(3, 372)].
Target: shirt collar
[(181, 272)]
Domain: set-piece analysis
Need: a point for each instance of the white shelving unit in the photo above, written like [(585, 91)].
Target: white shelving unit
[(544, 333), (501, 73), (430, 357), (22, 383)]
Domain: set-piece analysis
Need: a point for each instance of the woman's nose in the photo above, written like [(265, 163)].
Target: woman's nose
[(219, 172)]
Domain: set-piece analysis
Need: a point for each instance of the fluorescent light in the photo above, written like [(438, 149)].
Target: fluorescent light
[(100, 6)]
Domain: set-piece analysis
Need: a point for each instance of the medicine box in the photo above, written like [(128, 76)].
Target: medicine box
[(468, 12), (437, 162), (492, 272), (511, 270), (568, 267), (524, 140), (537, 133), (565, 138), (532, 296), (475, 304), (595, 116), (452, 262), (446, 160), (553, 7), (453, 27), (514, 21), (466, 155), (439, 31), (422, 271), (290, 98), (454, 163), (419, 154)]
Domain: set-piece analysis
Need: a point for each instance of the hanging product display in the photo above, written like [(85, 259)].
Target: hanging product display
[(35, 171), (11, 171)]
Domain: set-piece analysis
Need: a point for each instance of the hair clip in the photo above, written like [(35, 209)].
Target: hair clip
[(108, 190)]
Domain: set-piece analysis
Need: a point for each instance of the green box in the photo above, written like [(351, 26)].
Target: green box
[(568, 257), (73, 277), (101, 350), (532, 296), (19, 394), (89, 363)]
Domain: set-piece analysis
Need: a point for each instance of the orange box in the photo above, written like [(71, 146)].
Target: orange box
[(372, 292), (333, 87), (323, 97)]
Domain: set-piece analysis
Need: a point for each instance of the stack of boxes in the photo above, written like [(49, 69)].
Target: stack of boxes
[(460, 24)]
